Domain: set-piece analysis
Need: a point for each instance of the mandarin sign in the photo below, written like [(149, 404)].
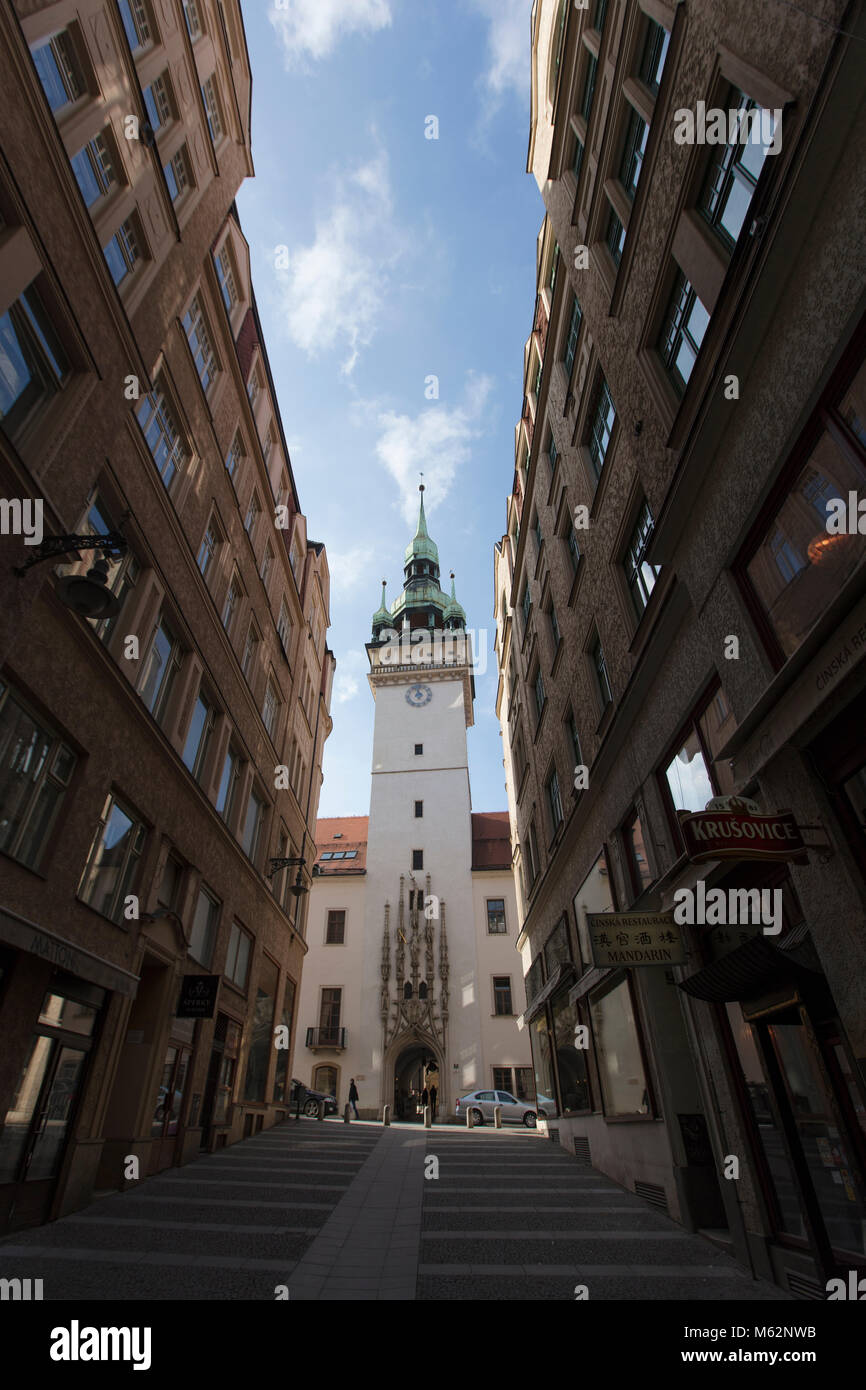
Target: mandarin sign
[(635, 938), (739, 834)]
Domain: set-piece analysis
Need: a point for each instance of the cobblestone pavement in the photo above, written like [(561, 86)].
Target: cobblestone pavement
[(346, 1212)]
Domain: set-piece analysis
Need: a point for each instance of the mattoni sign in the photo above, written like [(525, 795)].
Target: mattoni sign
[(635, 938), (741, 835)]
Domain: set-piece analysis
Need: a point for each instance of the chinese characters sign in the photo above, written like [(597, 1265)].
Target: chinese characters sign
[(635, 938)]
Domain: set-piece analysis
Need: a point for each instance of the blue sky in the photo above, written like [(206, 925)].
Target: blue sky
[(407, 257)]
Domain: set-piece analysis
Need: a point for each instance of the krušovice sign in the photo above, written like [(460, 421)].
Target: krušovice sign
[(733, 834), (635, 938)]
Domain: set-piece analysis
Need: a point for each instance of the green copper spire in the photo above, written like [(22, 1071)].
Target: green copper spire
[(454, 615), (382, 617), (422, 548)]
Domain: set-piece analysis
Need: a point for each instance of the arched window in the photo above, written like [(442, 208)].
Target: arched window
[(325, 1080), (422, 990), (407, 990)]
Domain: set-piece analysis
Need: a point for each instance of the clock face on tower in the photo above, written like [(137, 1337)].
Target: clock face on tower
[(418, 695)]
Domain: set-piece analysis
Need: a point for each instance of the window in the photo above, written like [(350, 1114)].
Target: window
[(601, 425), (33, 365), (123, 251), (254, 511), (208, 548), (237, 966), (235, 456), (640, 574), (198, 736), (204, 928), (555, 633), (266, 565), (572, 547), (136, 23), (620, 1064), (158, 102), (226, 276), (793, 567), (251, 647), (419, 748), (533, 862), (229, 779), (574, 748), (733, 170), (526, 604), (683, 329), (572, 336), (554, 801), (633, 151), (502, 1079), (177, 174), (419, 809), (692, 776), (94, 170), (655, 51), (577, 161), (539, 692), (212, 110), (496, 917), (171, 886), (162, 434), (614, 237), (59, 70), (502, 996), (160, 670), (193, 20), (417, 859), (35, 770), (112, 864), (122, 572), (598, 17), (281, 1070), (271, 708), (254, 386), (600, 668), (636, 859), (335, 932), (253, 826), (233, 598), (588, 88), (539, 538), (593, 895), (554, 267), (284, 627), (329, 1015), (552, 452), (200, 345)]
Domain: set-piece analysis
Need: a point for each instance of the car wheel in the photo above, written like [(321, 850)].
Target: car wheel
[(477, 1117), (311, 1108), (529, 1119)]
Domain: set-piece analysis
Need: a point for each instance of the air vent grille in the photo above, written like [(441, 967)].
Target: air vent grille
[(805, 1287), (652, 1193), (581, 1149)]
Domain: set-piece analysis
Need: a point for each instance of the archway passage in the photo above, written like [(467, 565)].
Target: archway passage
[(410, 1069)]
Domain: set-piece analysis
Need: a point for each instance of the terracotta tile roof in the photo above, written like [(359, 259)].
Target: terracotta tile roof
[(491, 840), (341, 835)]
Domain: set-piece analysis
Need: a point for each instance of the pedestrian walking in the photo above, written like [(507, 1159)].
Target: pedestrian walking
[(424, 1099), (433, 1094), (353, 1096)]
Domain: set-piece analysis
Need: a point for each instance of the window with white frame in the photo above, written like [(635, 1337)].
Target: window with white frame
[(160, 670), (204, 927), (201, 344), (232, 602), (226, 276), (60, 69), (229, 781), (254, 511), (600, 427), (235, 456), (208, 548), (177, 174), (640, 574), (682, 332), (124, 251), (213, 109), (158, 422), (251, 647), (34, 363), (199, 735), (271, 708), (193, 19), (267, 564), (237, 966), (158, 102), (95, 169), (252, 827), (284, 627), (136, 23)]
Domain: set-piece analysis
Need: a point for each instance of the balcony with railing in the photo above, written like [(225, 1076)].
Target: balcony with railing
[(329, 1039)]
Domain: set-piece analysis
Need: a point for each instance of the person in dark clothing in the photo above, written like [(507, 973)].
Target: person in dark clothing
[(353, 1096), (424, 1100), (433, 1094)]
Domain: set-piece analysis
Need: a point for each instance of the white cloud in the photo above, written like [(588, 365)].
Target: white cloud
[(508, 42), (351, 667), (314, 27), (335, 290), (436, 442), (347, 566)]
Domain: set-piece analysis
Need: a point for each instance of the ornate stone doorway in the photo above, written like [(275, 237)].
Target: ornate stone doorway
[(411, 1060)]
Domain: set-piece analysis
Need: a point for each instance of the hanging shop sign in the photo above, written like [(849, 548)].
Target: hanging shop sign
[(736, 833), (197, 996), (635, 938)]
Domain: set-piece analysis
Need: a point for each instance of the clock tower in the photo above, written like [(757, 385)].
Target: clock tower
[(419, 842)]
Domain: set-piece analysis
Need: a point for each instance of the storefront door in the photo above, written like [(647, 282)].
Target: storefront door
[(38, 1120)]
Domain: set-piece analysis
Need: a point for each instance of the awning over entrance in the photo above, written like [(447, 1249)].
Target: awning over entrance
[(750, 970), (29, 936)]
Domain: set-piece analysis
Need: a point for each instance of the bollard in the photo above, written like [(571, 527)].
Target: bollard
[(320, 1113), (386, 1115), (428, 1117), (346, 1117), (497, 1117), (469, 1120)]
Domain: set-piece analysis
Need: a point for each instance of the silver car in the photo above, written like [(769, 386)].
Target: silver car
[(482, 1103)]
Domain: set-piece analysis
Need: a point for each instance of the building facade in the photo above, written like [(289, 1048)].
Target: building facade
[(680, 621), (411, 970), (164, 698)]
